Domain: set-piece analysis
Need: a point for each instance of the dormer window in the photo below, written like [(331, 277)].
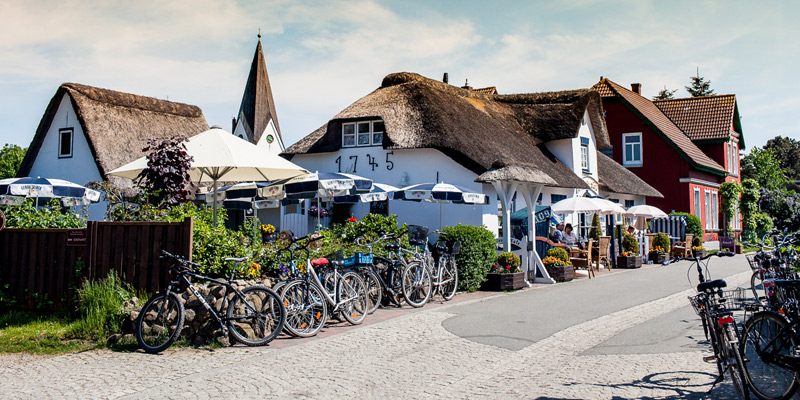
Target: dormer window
[(65, 143), (362, 133)]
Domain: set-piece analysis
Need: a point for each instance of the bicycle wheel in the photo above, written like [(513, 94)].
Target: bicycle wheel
[(160, 322), (735, 367), (417, 284), (352, 287), (256, 318), (450, 279), (306, 309), (374, 290), (766, 335)]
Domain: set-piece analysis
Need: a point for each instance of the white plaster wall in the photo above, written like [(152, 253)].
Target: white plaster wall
[(568, 151), (80, 168), (240, 131), (276, 147), (405, 168)]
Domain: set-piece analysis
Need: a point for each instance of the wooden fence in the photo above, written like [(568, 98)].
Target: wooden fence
[(45, 266)]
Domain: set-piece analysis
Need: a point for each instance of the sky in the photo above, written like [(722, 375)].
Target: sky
[(324, 55)]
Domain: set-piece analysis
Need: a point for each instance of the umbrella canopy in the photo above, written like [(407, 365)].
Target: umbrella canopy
[(219, 155), (379, 192), (325, 185), (14, 190), (440, 193), (608, 206), (645, 211), (578, 204)]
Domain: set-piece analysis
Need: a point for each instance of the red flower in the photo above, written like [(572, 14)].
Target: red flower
[(508, 267), (495, 265), (353, 219)]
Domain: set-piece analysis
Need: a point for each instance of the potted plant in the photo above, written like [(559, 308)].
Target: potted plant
[(505, 273), (558, 265), (660, 250), (595, 234), (267, 233), (697, 247), (629, 257)]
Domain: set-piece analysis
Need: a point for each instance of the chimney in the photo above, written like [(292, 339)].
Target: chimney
[(445, 78), (636, 88), (233, 124), (466, 85)]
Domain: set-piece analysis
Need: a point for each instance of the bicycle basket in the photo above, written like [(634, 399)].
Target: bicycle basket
[(358, 258), (417, 235), (697, 303), (753, 263), (735, 299)]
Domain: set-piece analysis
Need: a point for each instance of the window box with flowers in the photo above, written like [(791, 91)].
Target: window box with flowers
[(558, 265), (505, 273), (629, 257)]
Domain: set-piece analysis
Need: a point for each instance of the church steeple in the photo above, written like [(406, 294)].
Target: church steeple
[(257, 120)]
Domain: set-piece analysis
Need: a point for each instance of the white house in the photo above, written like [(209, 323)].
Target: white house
[(413, 130), (86, 132)]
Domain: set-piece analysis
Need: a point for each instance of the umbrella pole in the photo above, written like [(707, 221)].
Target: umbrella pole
[(318, 213), (215, 202), (440, 215)]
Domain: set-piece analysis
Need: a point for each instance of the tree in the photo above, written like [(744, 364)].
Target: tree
[(665, 94), (166, 178), (749, 203), (730, 193), (11, 157), (699, 86), (787, 152), (762, 166)]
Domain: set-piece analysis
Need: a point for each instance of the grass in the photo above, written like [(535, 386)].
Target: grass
[(22, 331)]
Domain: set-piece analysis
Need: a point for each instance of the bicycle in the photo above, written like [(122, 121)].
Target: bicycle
[(443, 269), (307, 299), (254, 317), (714, 307), (771, 265)]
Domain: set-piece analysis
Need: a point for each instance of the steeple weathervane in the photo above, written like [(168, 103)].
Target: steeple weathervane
[(259, 34)]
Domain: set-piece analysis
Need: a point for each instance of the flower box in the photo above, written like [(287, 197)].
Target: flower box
[(563, 273), (658, 258), (629, 262), (511, 281)]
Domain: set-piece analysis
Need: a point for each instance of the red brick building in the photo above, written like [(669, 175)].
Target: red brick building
[(685, 148)]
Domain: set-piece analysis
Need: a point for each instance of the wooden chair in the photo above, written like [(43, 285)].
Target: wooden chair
[(683, 249), (583, 260), (650, 237), (602, 253)]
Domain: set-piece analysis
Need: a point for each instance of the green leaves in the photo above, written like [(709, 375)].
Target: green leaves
[(51, 216), (477, 254), (10, 159)]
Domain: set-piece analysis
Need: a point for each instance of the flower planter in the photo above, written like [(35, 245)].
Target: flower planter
[(512, 281), (658, 258), (562, 273), (699, 253), (629, 262)]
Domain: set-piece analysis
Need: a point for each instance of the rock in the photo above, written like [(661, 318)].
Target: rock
[(193, 302), (218, 305), (188, 315), (240, 283), (202, 315), (128, 337), (224, 340), (134, 315), (113, 339), (198, 340), (218, 291), (202, 289)]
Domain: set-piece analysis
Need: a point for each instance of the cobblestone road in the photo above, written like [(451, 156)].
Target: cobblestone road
[(411, 356)]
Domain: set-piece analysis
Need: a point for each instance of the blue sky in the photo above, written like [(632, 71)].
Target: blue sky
[(324, 55)]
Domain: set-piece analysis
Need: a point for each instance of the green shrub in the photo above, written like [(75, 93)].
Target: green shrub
[(559, 253), (661, 240), (763, 222), (100, 307), (595, 232), (53, 215), (476, 256), (630, 244), (508, 259), (693, 224), (212, 244), (697, 241)]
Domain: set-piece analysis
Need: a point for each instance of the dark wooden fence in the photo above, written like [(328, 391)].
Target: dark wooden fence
[(45, 266)]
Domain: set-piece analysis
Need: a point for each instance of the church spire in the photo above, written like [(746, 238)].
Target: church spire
[(257, 120)]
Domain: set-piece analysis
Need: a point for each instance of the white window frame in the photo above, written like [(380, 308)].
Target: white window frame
[(625, 161), (735, 151), (709, 220), (355, 135), (715, 208), (585, 157), (61, 133), (698, 209)]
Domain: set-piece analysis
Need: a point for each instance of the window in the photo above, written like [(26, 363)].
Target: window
[(555, 198), (585, 154), (709, 220), (632, 147), (629, 203), (65, 143), (366, 133), (735, 149), (697, 210), (715, 210)]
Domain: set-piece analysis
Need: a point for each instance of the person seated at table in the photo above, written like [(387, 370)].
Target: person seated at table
[(570, 237), (558, 234), (632, 230)]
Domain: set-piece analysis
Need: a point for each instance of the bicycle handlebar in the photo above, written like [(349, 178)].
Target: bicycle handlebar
[(718, 254)]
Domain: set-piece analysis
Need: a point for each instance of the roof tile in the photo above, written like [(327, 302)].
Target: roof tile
[(707, 117)]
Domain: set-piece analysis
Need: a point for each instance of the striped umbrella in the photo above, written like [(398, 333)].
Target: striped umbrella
[(15, 190), (440, 193), (379, 192)]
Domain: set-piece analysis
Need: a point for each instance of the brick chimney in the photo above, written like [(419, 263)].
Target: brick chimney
[(446, 78), (636, 88)]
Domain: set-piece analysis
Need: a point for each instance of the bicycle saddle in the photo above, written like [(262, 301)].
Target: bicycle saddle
[(715, 284), (319, 261), (392, 246)]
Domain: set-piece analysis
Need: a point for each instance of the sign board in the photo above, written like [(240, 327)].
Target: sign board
[(76, 237), (726, 242)]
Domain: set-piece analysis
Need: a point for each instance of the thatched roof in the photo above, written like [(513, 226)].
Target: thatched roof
[(117, 125), (618, 179), (474, 129)]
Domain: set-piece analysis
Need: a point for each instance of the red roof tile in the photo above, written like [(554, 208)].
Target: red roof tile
[(707, 117), (660, 121)]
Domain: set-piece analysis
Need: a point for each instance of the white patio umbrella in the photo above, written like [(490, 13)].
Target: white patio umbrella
[(578, 204), (609, 207), (219, 155), (14, 190), (440, 193), (645, 211)]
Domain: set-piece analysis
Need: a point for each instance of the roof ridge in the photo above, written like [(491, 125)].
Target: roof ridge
[(695, 97), (130, 100)]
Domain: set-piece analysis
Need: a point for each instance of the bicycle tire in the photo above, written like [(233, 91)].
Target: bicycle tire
[(768, 380), (352, 286), (736, 370), (152, 316), (374, 290), (306, 309), (450, 271), (417, 284), (257, 318)]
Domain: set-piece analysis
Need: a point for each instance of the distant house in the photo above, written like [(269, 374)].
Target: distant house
[(86, 132), (257, 120), (414, 129), (685, 148)]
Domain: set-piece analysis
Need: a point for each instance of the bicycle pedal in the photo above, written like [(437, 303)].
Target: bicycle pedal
[(710, 359)]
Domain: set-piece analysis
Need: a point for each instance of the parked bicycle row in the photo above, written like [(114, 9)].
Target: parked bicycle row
[(755, 339), (309, 291)]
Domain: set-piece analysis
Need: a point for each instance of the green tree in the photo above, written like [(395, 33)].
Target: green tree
[(762, 166), (699, 86), (749, 203), (11, 157), (665, 94), (787, 152), (730, 193)]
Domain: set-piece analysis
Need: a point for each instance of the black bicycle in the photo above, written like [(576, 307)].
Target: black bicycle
[(255, 315)]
